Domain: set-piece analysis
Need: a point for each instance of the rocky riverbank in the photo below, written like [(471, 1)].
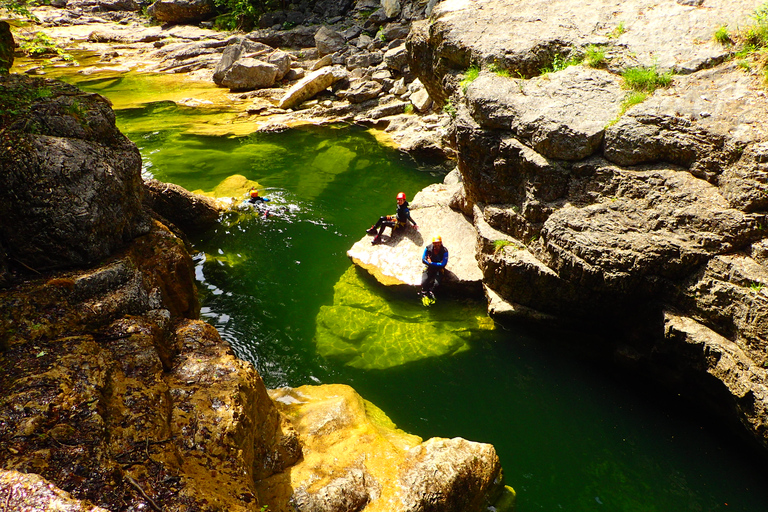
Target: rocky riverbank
[(648, 221), (354, 70)]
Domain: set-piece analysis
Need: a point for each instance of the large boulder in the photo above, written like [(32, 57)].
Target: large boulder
[(182, 11), (397, 261), (247, 74), (72, 191), (234, 50)]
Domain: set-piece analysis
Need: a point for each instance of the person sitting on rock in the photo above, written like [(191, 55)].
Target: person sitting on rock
[(399, 220), (435, 258)]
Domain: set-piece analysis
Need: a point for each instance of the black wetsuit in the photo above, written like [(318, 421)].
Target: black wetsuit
[(400, 219)]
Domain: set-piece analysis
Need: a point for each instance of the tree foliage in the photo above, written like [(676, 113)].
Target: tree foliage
[(16, 9), (243, 14)]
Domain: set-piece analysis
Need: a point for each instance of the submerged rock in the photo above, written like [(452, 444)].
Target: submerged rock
[(366, 329)]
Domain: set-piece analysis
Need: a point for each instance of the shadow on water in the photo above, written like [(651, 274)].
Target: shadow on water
[(572, 435)]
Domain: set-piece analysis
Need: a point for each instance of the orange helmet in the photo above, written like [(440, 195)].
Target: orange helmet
[(437, 239), (254, 192), (401, 195)]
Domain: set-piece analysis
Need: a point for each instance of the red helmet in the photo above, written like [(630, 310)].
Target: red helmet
[(401, 195)]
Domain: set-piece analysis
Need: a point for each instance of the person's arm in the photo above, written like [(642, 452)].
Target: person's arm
[(424, 259), (443, 263), (411, 219)]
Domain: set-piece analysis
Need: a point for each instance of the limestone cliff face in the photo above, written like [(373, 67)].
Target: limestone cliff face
[(652, 221), (115, 396)]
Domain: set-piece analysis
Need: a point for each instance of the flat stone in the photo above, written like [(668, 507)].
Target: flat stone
[(397, 260)]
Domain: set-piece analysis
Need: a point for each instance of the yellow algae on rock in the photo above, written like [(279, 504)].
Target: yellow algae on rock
[(235, 186), (369, 331), (355, 458)]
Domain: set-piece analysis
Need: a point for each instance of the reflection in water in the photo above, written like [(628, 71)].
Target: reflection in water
[(366, 329)]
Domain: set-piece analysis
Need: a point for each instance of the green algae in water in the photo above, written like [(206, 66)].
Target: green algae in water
[(366, 329)]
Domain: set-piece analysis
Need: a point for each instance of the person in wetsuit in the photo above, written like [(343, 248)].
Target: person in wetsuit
[(435, 258), (254, 197), (399, 220)]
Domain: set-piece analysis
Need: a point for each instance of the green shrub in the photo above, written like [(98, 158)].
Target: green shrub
[(449, 109), (559, 63), (470, 76), (42, 45), (242, 14), (499, 245), (646, 79), (722, 35), (595, 56), (408, 108)]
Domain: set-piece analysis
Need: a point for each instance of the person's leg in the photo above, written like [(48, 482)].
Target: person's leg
[(372, 230)]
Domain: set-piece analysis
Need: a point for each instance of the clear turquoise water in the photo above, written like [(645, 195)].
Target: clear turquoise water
[(571, 435)]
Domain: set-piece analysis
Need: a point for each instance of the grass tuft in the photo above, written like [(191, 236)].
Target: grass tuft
[(595, 56), (646, 79), (470, 76), (722, 35), (559, 63)]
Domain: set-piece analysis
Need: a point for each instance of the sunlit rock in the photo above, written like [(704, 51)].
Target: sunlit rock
[(370, 330), (235, 187), (312, 84), (24, 491), (397, 260), (335, 424)]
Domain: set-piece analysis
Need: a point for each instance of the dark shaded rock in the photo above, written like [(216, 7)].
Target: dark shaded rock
[(329, 41), (395, 31), (364, 60), (297, 37), (182, 11), (73, 191), (190, 212), (745, 183), (7, 47)]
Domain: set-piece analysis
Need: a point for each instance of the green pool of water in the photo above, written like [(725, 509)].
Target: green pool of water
[(281, 290)]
